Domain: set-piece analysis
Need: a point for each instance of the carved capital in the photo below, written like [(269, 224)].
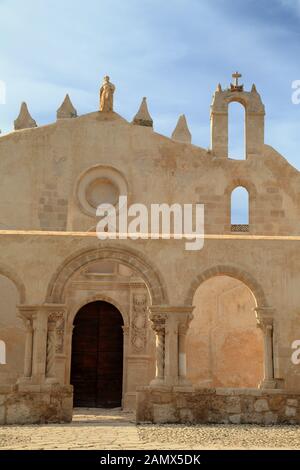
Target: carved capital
[(125, 330), (265, 318), (28, 324), (173, 316), (54, 317), (158, 322), (184, 323), (27, 312)]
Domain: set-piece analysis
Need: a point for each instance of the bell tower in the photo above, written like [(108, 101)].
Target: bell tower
[(254, 118)]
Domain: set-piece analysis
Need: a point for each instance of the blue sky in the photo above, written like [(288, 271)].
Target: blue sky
[(174, 52)]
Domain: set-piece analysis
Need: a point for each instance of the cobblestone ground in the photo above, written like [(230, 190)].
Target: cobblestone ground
[(114, 429)]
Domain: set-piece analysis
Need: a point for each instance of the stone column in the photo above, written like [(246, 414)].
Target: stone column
[(28, 349), (160, 352), (51, 342), (171, 325), (40, 320), (125, 368), (55, 319), (158, 325), (171, 350), (264, 317), (27, 314), (41, 345), (182, 331)]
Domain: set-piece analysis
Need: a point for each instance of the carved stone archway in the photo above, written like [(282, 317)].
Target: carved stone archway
[(94, 298), (231, 271), (69, 328), (128, 257), (7, 272), (265, 314)]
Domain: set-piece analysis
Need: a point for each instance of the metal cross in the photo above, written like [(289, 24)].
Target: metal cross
[(236, 77)]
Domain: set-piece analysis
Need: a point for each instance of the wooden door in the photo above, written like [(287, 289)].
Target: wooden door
[(97, 356)]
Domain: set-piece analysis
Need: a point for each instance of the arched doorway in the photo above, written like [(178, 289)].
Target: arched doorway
[(97, 356)]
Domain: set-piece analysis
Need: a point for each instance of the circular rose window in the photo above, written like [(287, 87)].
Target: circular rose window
[(102, 191), (100, 185)]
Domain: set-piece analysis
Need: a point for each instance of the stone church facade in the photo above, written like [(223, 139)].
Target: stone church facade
[(177, 335)]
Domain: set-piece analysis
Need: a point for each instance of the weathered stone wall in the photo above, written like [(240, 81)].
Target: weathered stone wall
[(48, 161), (52, 211), (12, 332), (236, 406), (270, 268), (52, 405)]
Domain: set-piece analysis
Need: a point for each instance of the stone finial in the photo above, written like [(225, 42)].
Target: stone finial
[(66, 109), (219, 87), (181, 132), (24, 120), (142, 117), (253, 89)]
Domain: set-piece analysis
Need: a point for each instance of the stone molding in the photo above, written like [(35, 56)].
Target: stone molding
[(139, 321), (231, 271), (265, 317), (128, 257)]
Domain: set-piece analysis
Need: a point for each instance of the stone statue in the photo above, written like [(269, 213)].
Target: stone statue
[(106, 95)]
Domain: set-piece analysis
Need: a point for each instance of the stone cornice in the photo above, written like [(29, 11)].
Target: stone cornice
[(265, 316), (29, 311), (170, 309), (106, 284)]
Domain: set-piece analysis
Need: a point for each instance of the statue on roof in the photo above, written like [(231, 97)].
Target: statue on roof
[(106, 95)]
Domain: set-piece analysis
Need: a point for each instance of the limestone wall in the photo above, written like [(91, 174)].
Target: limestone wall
[(218, 406), (270, 267), (45, 405), (47, 163), (12, 332)]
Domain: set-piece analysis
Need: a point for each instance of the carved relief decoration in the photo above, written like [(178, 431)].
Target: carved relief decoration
[(58, 319), (139, 322)]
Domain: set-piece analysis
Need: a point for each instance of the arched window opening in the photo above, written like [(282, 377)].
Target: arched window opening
[(239, 210), (224, 346), (2, 352), (236, 131)]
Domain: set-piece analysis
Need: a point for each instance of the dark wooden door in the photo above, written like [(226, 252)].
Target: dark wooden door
[(97, 356)]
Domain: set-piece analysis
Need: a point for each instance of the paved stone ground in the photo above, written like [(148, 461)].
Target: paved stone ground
[(115, 429)]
